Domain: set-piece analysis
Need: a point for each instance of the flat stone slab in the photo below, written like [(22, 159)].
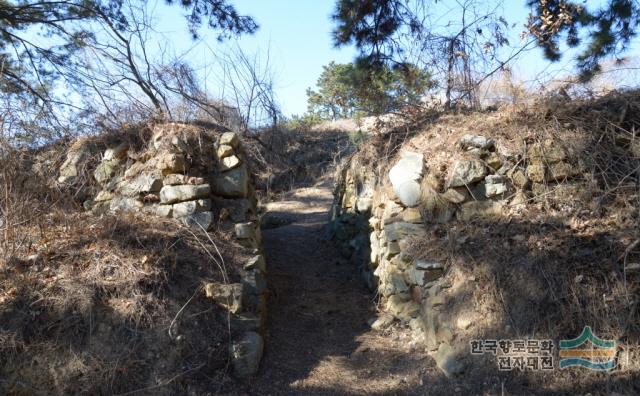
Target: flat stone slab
[(173, 194)]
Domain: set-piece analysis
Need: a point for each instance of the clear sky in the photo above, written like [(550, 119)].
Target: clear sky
[(298, 35)]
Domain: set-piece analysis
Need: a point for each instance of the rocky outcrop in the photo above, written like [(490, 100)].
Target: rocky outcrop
[(403, 204), (202, 183), (77, 156)]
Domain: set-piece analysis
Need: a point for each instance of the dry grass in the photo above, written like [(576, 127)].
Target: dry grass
[(109, 304), (112, 304), (283, 159)]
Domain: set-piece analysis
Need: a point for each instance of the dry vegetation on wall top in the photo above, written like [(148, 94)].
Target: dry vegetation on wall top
[(556, 251)]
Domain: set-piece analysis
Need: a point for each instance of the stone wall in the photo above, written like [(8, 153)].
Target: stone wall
[(381, 214), (201, 179)]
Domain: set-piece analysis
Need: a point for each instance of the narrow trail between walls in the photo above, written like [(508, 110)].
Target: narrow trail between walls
[(318, 339)]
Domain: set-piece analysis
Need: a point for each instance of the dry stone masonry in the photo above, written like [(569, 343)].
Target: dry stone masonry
[(378, 216), (198, 181)]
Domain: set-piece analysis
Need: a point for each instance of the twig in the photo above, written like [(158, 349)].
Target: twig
[(165, 383), (180, 311)]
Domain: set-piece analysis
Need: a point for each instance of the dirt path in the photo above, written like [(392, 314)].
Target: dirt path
[(318, 339)]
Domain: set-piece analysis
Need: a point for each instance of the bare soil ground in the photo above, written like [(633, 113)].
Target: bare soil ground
[(318, 338)]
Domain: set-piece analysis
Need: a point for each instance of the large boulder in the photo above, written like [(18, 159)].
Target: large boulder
[(173, 194), (405, 178), (233, 183), (465, 172)]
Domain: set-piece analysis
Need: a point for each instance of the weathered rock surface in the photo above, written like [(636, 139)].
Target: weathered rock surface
[(187, 208), (171, 163), (174, 179), (465, 172), (159, 210), (245, 230), (399, 230), (106, 170), (402, 308), (256, 262), (548, 152), (230, 162), (405, 178), (173, 194), (447, 361), (228, 296), (141, 184), (495, 185), (518, 178), (233, 183), (382, 322), (454, 195), (562, 170), (536, 173), (229, 139), (246, 354), (201, 220), (224, 150), (474, 141), (70, 168), (125, 204)]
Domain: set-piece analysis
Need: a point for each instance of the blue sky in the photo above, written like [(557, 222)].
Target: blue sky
[(298, 35)]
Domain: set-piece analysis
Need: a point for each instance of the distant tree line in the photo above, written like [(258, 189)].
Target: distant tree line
[(352, 89)]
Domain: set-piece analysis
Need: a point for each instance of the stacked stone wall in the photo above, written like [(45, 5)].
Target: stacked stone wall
[(379, 216), (201, 179)]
